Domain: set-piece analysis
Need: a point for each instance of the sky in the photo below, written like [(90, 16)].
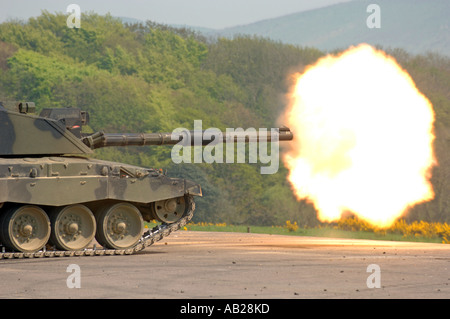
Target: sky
[(216, 14)]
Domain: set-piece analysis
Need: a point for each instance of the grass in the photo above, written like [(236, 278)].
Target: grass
[(416, 232)]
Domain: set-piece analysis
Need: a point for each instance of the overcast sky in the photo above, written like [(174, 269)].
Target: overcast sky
[(204, 13)]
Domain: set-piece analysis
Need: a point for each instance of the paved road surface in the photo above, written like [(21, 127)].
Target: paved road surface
[(234, 265)]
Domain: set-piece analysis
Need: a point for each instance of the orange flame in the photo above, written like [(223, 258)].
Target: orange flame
[(363, 137)]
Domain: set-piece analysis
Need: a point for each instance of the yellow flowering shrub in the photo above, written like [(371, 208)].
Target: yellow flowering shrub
[(292, 227), (415, 229), (418, 229)]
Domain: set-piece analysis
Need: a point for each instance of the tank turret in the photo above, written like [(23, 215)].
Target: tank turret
[(24, 134), (53, 195)]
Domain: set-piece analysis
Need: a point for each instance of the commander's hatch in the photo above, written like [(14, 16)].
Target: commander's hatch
[(72, 118)]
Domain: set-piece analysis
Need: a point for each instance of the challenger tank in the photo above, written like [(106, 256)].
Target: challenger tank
[(56, 200)]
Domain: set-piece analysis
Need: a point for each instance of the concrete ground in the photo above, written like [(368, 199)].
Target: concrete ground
[(236, 265)]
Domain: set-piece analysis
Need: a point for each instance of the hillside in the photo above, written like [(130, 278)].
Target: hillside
[(150, 78), (414, 25)]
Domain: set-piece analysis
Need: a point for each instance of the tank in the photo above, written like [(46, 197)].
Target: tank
[(55, 199)]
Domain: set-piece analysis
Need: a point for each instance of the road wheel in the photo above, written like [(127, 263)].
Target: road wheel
[(119, 226), (24, 228), (73, 227), (169, 210)]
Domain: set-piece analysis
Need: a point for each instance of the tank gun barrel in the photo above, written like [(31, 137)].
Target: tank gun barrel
[(192, 138)]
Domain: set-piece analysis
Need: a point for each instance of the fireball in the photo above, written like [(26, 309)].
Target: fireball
[(363, 137)]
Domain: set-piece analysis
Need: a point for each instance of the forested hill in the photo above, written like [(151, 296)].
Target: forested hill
[(149, 78)]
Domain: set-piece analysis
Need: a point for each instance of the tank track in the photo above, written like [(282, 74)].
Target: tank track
[(148, 238)]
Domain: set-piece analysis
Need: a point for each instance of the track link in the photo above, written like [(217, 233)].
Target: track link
[(148, 238)]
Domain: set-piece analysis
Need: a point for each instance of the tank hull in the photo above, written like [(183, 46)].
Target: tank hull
[(59, 181), (66, 201)]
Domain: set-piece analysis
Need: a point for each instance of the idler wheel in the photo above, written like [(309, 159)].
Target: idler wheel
[(119, 226), (24, 228), (73, 227), (169, 210)]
